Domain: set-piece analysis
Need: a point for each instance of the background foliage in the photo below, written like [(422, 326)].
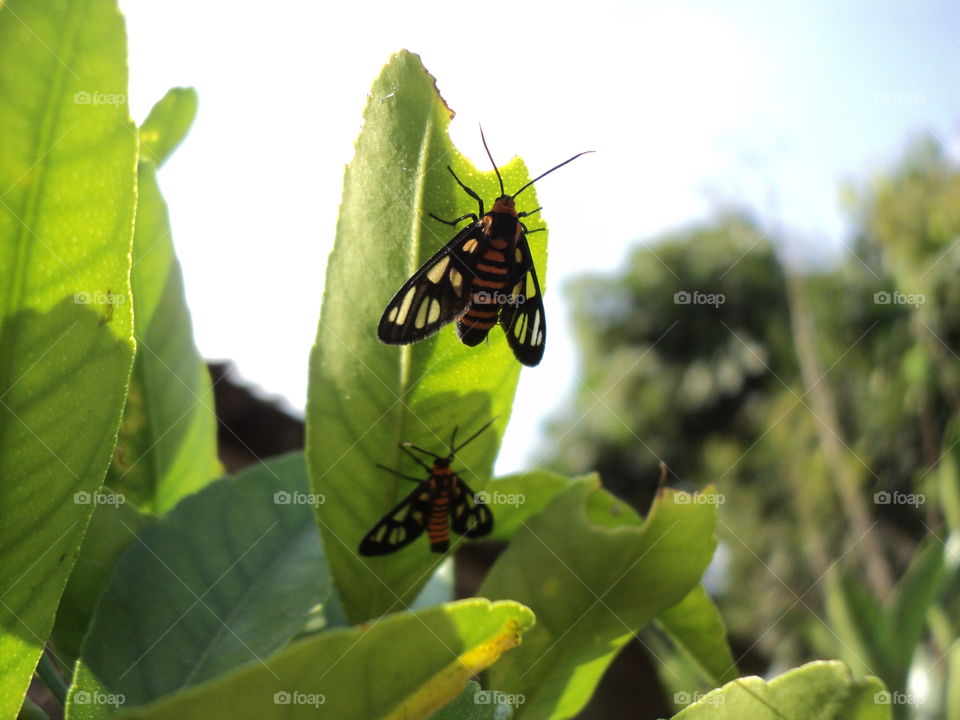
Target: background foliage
[(805, 418), (822, 402)]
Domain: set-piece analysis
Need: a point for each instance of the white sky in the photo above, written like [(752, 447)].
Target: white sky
[(688, 104)]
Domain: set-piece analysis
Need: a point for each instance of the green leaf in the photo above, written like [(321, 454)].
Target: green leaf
[(111, 530), (517, 498), (475, 703), (167, 125), (822, 690), (902, 626), (227, 577), (438, 590), (695, 625), (366, 397), (66, 222), (600, 575), (948, 476), (953, 683), (361, 673), (168, 440), (853, 619)]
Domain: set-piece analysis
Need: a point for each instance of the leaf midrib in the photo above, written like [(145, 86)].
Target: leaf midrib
[(27, 219), (267, 571)]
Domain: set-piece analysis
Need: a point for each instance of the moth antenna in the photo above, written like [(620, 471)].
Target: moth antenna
[(405, 447), (499, 179), (473, 437), (555, 167)]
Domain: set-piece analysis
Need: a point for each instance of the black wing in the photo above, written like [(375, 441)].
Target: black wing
[(469, 516), (437, 293), (522, 317), (401, 526)]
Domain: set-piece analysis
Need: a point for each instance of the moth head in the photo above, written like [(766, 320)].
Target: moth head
[(505, 204)]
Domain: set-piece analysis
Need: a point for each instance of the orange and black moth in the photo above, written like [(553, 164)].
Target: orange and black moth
[(484, 275), (439, 503)]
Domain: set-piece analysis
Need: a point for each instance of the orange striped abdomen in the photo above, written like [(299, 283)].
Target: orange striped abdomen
[(488, 288), (438, 524)]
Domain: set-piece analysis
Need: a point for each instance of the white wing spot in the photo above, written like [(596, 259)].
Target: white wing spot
[(435, 274), (421, 315), (531, 289), (535, 331), (456, 279), (518, 255), (470, 245), (392, 317), (520, 327), (434, 313), (405, 306)]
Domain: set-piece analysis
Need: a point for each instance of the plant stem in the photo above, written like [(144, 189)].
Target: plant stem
[(52, 679), (834, 449), (31, 711)]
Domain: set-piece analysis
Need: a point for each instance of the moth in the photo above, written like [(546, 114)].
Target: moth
[(437, 504), (484, 274)]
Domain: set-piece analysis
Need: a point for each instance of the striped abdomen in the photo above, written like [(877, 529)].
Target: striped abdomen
[(489, 290), (438, 524)]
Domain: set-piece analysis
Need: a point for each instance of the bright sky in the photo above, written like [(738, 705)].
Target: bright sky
[(688, 105)]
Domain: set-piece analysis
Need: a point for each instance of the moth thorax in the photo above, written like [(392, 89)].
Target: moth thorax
[(505, 204)]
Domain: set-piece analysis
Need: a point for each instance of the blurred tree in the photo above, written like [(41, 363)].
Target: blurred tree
[(800, 396)]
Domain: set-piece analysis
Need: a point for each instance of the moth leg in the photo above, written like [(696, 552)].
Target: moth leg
[(399, 474), (453, 223)]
